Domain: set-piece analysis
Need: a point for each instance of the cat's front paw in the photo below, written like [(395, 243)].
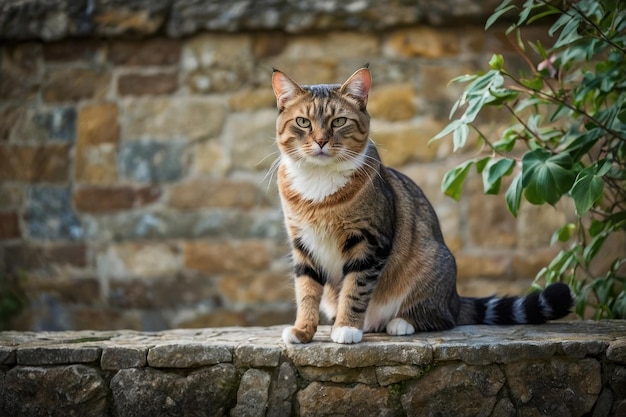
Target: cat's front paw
[(293, 335), (346, 334), (399, 327)]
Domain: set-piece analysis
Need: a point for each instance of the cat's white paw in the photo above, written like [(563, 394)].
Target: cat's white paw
[(289, 336), (399, 327), (346, 334)]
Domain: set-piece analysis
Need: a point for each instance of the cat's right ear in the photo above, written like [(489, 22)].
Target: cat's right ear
[(285, 88)]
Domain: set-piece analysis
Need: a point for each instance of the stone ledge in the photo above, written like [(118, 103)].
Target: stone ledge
[(58, 19), (564, 368)]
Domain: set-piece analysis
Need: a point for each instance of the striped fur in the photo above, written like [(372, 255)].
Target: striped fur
[(366, 243)]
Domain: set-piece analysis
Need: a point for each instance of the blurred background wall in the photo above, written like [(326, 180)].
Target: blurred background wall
[(137, 140)]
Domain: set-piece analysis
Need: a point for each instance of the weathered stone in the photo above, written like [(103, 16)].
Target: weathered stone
[(11, 196), (473, 266), (65, 290), (30, 256), (148, 84), (257, 356), (486, 352), (345, 45), (284, 388), (58, 123), (253, 139), (319, 399), (456, 389), (536, 224), (210, 157), (7, 356), (152, 161), (85, 50), (150, 52), (131, 259), (19, 65), (54, 355), (422, 41), (188, 355), (554, 387), (103, 200), (74, 390), (9, 225), (257, 287), (112, 21), (339, 374), (50, 215), (49, 163), (65, 85), (392, 102), (223, 193), (217, 62), (252, 99), (387, 375), (205, 392), (98, 124), (226, 256), (253, 394), (168, 119), (96, 165), (617, 351), (121, 357)]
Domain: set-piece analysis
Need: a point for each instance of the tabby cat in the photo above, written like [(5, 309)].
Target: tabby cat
[(366, 243)]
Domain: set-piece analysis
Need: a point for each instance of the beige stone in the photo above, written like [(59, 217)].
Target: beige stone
[(252, 136), (319, 399), (252, 99), (392, 102), (536, 224), (400, 144), (96, 165), (421, 41), (214, 193), (226, 256), (339, 45), (98, 124), (169, 118), (143, 260), (260, 287), (482, 265), (210, 157)]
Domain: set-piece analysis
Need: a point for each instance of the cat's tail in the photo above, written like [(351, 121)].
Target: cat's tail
[(538, 307)]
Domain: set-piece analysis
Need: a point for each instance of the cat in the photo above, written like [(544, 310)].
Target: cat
[(366, 243)]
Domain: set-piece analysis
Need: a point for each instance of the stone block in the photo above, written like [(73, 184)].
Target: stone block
[(456, 389), (253, 139), (257, 356), (69, 85), (482, 266), (253, 394), (319, 399), (617, 351), (97, 317), (387, 375), (12, 196), (9, 225), (211, 157), (152, 162), (29, 256), (42, 163), (269, 44), (536, 224), (61, 289), (98, 124), (128, 20), (138, 259), (526, 264), (284, 388), (58, 123), (345, 45), (252, 99), (149, 52), (50, 215), (401, 144), (55, 354), (257, 287), (421, 41), (96, 165), (172, 118), (393, 102), (83, 50), (203, 193), (215, 62), (187, 355), (147, 84), (226, 256), (339, 374), (554, 387), (105, 200), (19, 65), (75, 389), (305, 70), (122, 357)]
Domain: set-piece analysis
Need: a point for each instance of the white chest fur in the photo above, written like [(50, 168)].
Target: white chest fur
[(325, 250)]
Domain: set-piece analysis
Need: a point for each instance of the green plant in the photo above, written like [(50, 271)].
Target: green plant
[(12, 299), (568, 137)]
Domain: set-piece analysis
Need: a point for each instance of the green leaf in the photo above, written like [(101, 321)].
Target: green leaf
[(452, 183), (546, 177), (587, 189), (496, 62), (499, 12), (513, 195), (459, 137), (492, 175), (451, 127), (564, 233)]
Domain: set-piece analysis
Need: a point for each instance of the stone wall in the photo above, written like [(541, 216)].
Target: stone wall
[(136, 181), (558, 369)]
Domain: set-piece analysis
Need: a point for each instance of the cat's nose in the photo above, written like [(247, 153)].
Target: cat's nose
[(321, 142)]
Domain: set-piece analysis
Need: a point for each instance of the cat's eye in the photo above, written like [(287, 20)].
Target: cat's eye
[(339, 121), (302, 122)]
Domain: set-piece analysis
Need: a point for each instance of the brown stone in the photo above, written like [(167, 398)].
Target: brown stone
[(29, 257), (96, 165), (49, 163), (216, 318), (150, 84), (151, 52), (226, 256), (253, 144), (319, 399), (98, 124), (102, 200), (9, 225), (19, 65), (392, 102), (75, 84), (73, 50), (422, 41), (253, 288), (252, 99), (482, 265), (11, 196), (269, 44), (201, 193), (138, 259), (118, 20), (104, 318), (211, 157), (10, 116), (64, 290), (526, 264), (536, 224)]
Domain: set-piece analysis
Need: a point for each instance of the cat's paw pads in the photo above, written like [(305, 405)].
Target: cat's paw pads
[(346, 334), (289, 335), (399, 327)]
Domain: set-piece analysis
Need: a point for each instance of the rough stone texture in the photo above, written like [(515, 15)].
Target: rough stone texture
[(251, 372)]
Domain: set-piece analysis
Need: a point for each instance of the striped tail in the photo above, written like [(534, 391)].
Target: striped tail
[(538, 307)]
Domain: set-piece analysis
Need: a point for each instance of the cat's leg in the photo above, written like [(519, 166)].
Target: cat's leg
[(354, 298), (308, 297), (329, 301), (399, 327)]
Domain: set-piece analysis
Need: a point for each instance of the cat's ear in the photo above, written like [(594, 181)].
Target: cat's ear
[(358, 85), (284, 88)]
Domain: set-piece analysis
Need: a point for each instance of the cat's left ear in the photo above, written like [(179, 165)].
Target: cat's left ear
[(284, 88), (358, 85)]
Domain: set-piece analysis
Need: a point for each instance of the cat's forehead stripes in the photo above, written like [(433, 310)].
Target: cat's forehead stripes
[(322, 90)]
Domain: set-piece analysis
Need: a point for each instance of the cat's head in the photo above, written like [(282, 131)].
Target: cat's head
[(325, 123)]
